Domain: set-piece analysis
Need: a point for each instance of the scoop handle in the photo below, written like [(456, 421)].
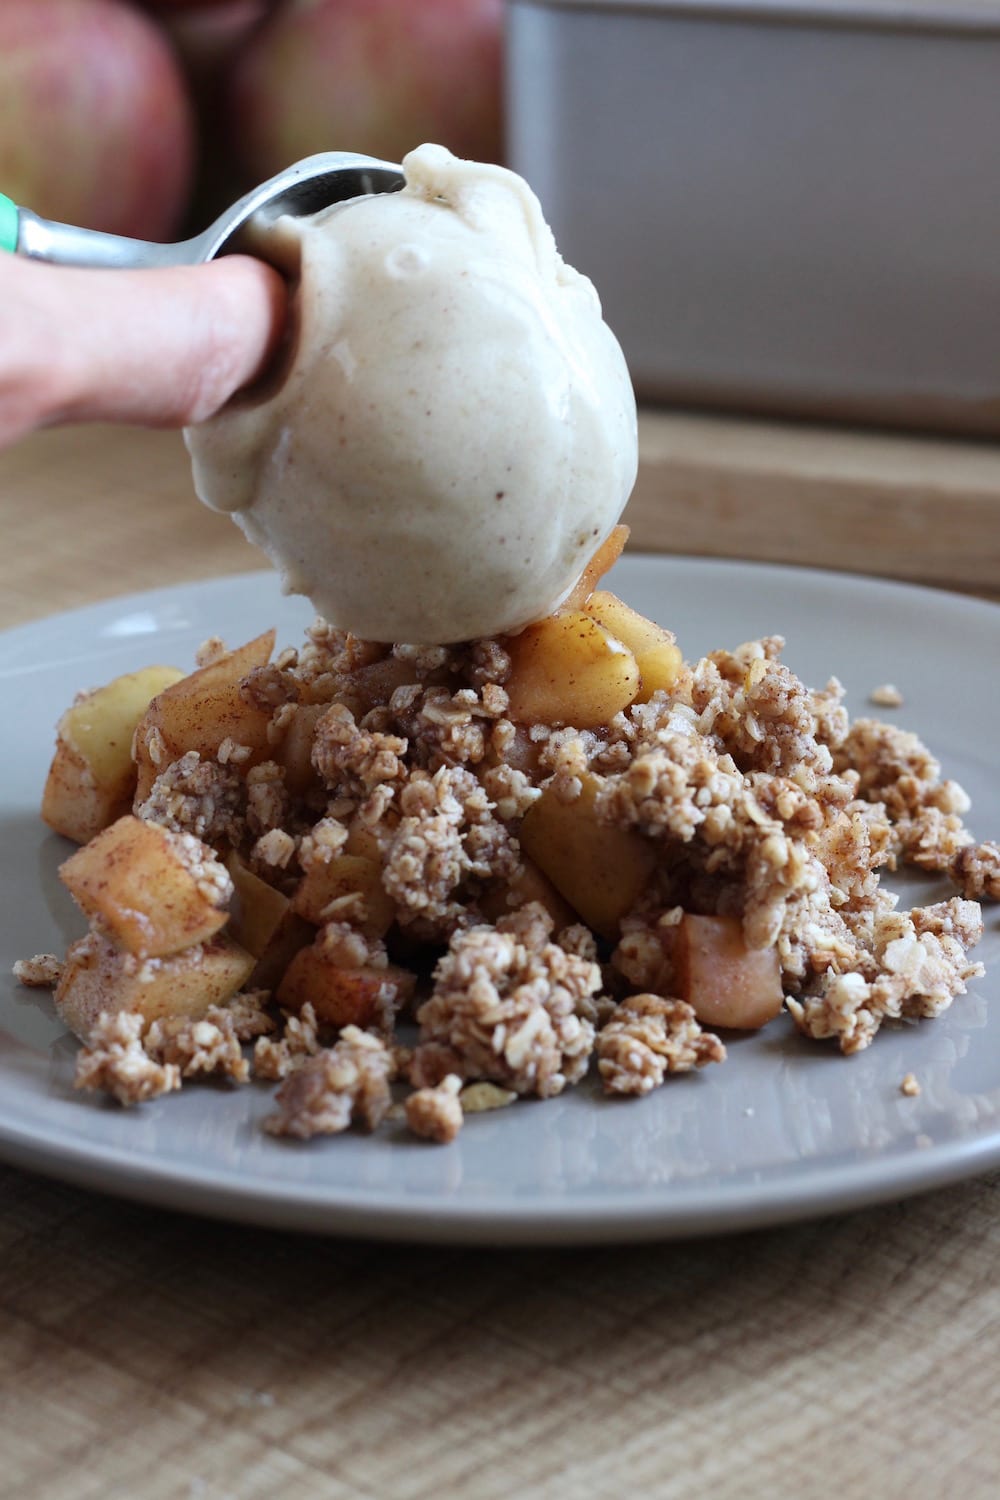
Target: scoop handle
[(10, 216), (25, 233)]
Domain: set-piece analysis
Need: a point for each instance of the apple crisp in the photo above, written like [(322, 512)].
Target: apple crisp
[(563, 852)]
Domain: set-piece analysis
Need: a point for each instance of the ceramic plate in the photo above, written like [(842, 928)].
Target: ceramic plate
[(783, 1129)]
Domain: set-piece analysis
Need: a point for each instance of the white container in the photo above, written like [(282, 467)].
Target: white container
[(785, 206)]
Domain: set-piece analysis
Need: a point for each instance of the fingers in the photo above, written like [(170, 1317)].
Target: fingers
[(162, 348)]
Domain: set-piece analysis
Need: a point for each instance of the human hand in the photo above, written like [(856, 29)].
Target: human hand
[(161, 348)]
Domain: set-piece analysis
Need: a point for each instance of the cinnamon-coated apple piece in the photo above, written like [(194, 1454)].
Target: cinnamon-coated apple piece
[(726, 982), (153, 892), (98, 977), (91, 781), (528, 884), (257, 911), (295, 749), (346, 875), (601, 870), (657, 654), (262, 921), (341, 996), (202, 710), (567, 669)]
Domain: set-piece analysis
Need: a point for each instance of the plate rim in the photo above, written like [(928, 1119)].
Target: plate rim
[(917, 593), (613, 1219)]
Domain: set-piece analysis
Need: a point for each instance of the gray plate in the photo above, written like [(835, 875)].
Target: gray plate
[(783, 1130)]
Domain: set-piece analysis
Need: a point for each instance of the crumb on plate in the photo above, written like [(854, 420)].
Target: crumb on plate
[(436, 1114), (886, 695), (42, 972), (339, 1086)]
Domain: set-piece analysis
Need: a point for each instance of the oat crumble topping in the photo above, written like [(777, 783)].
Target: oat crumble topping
[(211, 878), (436, 1114), (506, 1007), (199, 797), (115, 1061), (446, 844), (210, 1047), (210, 650), (975, 869), (919, 966), (274, 1059), (910, 1085), (648, 1037), (39, 973), (276, 848), (339, 1086), (887, 695)]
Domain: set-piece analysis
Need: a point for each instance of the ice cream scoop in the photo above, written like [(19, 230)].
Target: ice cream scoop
[(302, 188), (452, 429)]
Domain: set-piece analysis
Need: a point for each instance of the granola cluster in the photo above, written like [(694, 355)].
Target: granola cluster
[(648, 1038), (339, 1086), (134, 1059), (377, 832), (509, 1005), (437, 1113)]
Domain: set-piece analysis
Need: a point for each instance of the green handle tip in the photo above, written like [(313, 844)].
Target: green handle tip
[(8, 224)]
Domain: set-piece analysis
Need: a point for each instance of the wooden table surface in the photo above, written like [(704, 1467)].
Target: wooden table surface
[(148, 1355)]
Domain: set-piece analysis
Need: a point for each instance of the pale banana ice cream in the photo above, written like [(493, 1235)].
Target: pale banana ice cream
[(452, 432)]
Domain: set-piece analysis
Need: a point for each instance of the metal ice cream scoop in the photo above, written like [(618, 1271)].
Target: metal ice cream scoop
[(304, 188)]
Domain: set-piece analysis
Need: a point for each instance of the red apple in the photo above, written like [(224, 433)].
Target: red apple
[(95, 123), (168, 6), (378, 76)]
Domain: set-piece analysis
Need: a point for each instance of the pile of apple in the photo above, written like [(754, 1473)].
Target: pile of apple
[(113, 112)]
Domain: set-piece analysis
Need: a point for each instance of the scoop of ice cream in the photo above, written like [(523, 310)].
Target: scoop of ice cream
[(453, 430)]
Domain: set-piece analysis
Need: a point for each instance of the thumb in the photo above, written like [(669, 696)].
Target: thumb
[(160, 347)]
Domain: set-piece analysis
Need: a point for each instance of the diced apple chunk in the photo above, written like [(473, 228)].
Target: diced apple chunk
[(567, 669), (372, 685), (341, 996), (92, 778), (295, 750), (263, 923), (291, 935), (99, 977), (528, 884), (202, 710), (153, 891), (657, 654), (346, 875), (726, 982), (257, 908), (601, 870), (362, 840)]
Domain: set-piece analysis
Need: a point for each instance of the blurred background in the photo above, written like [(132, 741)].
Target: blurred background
[(146, 117), (786, 206), (782, 202)]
